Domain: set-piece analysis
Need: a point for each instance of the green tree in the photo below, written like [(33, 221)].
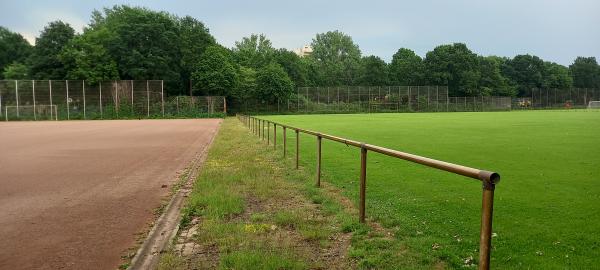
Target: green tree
[(255, 51), (525, 71), (456, 66), (337, 58), (374, 71), (556, 76), (492, 82), (294, 66), (585, 72), (143, 43), (13, 48), (246, 84), (85, 58), (15, 71), (194, 38), (215, 73), (273, 83), (44, 62), (406, 68)]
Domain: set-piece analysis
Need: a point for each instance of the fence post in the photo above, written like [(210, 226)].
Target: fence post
[(100, 102), (50, 93), (147, 99), (487, 207), (363, 182), (162, 97), (83, 90), (268, 132), (318, 160), (131, 81), (297, 147), (68, 110), (274, 136), (117, 102), (409, 100), (17, 95), (33, 92), (224, 105), (284, 141)]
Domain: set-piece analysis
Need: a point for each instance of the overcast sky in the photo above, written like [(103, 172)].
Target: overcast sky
[(555, 30)]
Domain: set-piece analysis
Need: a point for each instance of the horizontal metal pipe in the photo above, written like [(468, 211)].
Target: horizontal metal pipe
[(483, 175)]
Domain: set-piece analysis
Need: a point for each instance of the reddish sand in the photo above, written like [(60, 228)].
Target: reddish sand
[(74, 194)]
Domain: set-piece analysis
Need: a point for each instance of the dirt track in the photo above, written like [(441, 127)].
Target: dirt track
[(74, 194)]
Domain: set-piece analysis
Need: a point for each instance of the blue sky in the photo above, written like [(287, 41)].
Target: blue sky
[(556, 30)]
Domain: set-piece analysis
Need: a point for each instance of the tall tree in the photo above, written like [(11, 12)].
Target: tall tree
[(44, 62), (456, 66), (406, 68), (585, 72), (492, 82), (194, 38), (15, 71), (246, 84), (215, 73), (296, 69), (526, 71), (556, 76), (255, 51), (144, 43), (85, 58), (273, 83), (13, 48), (374, 71), (337, 57)]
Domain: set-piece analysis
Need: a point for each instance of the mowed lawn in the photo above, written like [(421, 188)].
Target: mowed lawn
[(547, 205)]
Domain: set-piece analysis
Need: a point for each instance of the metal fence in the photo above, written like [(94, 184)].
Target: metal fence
[(557, 98), (261, 128), (69, 99), (361, 99)]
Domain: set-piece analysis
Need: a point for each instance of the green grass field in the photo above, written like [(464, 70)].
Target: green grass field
[(547, 206)]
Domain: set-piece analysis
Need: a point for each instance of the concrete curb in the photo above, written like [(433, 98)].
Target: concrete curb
[(166, 227)]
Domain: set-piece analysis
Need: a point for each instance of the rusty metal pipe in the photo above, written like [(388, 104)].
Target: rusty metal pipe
[(363, 184), (284, 141), (487, 209), (488, 178), (297, 147), (318, 184)]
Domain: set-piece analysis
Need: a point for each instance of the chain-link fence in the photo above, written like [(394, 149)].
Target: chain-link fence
[(195, 106), (557, 98), (69, 99), (358, 99)]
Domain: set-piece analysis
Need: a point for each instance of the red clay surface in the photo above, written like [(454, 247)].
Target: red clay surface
[(73, 195)]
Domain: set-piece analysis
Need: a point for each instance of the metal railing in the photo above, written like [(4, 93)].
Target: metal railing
[(489, 179)]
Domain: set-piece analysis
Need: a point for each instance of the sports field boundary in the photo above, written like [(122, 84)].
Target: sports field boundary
[(167, 225), (489, 179)]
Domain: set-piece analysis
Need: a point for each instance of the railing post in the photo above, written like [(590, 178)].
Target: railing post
[(284, 141), (318, 160), (487, 207), (297, 147), (363, 183), (274, 136)]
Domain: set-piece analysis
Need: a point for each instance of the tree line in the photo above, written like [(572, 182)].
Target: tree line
[(136, 43)]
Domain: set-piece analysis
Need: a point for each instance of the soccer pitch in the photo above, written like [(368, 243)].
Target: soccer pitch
[(547, 206)]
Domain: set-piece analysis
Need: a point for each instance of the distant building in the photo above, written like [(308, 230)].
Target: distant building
[(304, 51)]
